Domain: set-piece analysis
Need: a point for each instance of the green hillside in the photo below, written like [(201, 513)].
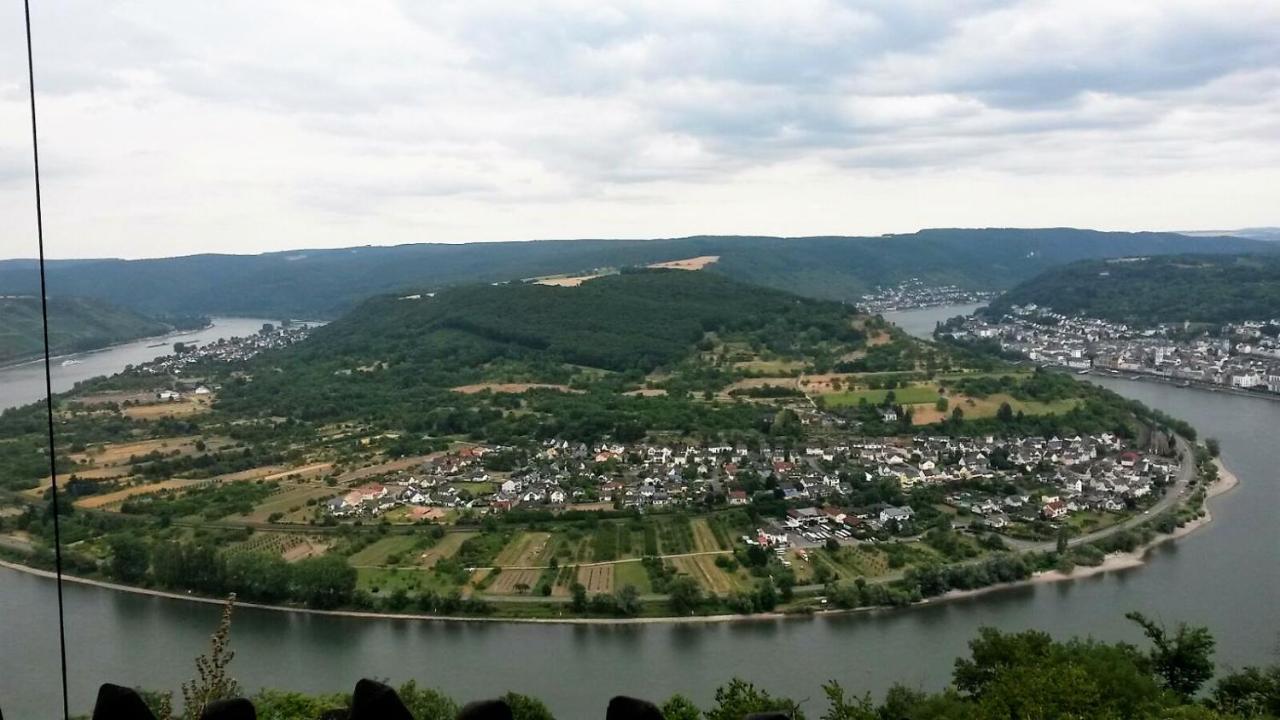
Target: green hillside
[(75, 325), (326, 283), (631, 321), (395, 360), (1198, 288)]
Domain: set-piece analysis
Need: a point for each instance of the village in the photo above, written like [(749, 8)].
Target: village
[(915, 293), (863, 490), (1243, 356), (226, 350)]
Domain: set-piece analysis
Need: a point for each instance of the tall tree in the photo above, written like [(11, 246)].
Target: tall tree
[(1183, 659)]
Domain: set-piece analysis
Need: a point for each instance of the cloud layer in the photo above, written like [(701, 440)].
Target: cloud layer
[(172, 128)]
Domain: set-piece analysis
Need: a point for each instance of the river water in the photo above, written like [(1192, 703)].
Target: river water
[(22, 384), (1225, 576)]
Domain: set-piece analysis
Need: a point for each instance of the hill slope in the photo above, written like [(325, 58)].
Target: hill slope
[(632, 321), (404, 362), (75, 325), (325, 283), (1199, 288)]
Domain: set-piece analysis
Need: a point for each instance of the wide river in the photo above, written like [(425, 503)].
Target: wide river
[(1226, 576), (22, 384)]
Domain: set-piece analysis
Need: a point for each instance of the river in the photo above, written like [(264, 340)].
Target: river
[(1224, 576), (22, 384)]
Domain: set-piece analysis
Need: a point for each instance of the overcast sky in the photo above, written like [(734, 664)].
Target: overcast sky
[(174, 127)]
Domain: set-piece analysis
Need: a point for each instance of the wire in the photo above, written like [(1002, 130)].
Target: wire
[(48, 377)]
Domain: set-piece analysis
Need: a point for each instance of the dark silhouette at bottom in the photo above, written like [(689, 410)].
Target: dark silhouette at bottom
[(371, 700)]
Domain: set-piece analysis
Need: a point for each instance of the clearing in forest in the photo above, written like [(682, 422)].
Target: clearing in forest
[(693, 263)]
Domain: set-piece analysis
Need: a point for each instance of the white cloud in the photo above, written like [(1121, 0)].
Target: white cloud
[(170, 128)]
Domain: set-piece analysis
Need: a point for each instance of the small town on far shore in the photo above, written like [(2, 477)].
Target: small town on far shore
[(1239, 355)]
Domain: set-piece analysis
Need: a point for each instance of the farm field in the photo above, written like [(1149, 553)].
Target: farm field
[(597, 578), (514, 582), (771, 367), (704, 539), (291, 500), (675, 536), (850, 561), (384, 581), (97, 474), (704, 569), (632, 573), (378, 553), (827, 382), (119, 453), (156, 411), (758, 382), (383, 468), (302, 473), (105, 500), (988, 406), (527, 549), (446, 547), (292, 547), (906, 396)]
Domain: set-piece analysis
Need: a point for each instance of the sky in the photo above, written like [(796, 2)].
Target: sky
[(176, 128)]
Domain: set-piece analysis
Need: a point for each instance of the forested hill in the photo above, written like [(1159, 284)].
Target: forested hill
[(632, 321), (1199, 288), (325, 283), (75, 325)]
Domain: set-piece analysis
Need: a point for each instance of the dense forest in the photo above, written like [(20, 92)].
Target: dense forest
[(1144, 291), (394, 359), (75, 325), (635, 320), (324, 283)]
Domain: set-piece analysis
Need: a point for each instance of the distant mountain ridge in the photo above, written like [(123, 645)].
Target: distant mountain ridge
[(75, 325), (1144, 291), (324, 283)]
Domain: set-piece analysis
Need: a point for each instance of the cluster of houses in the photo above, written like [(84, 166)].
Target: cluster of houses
[(914, 293), (1244, 355), (1053, 478), (233, 349), (1107, 484)]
